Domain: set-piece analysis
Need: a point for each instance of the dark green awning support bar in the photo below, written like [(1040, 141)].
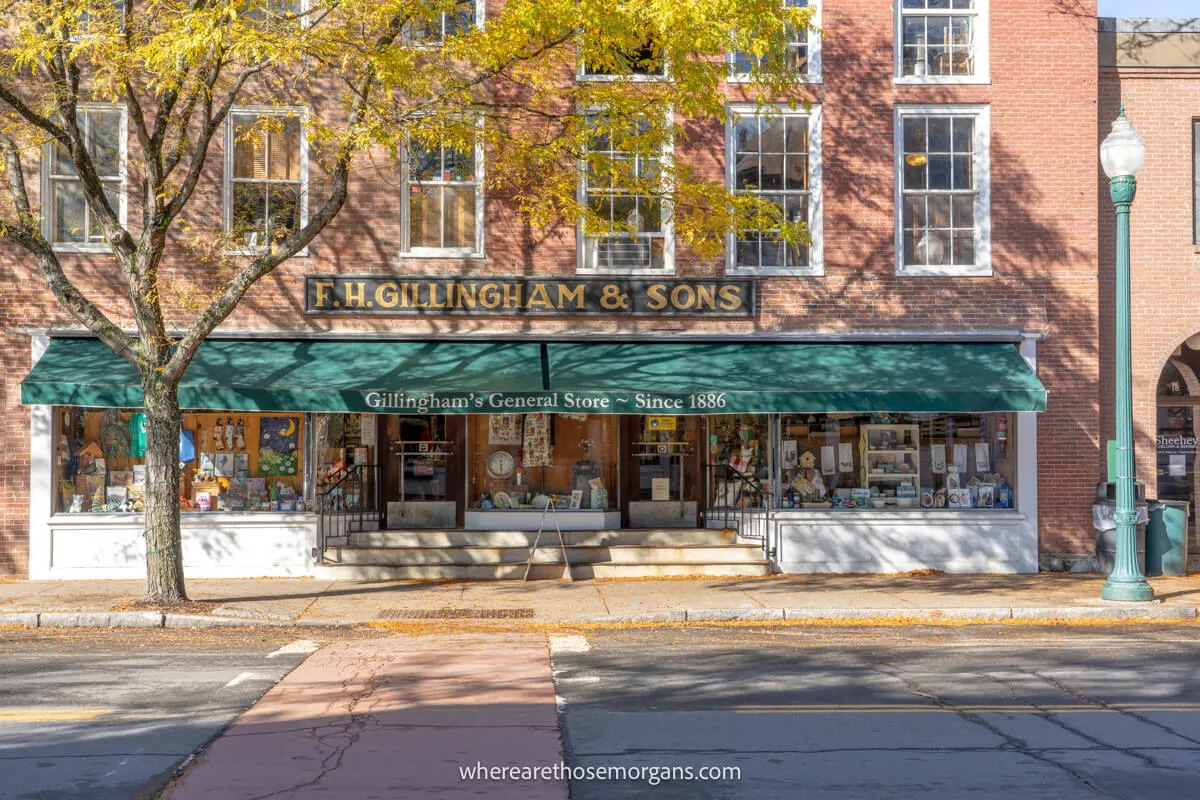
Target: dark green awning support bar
[(458, 377)]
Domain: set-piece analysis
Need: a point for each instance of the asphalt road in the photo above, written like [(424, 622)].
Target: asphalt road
[(94, 715), (1003, 712)]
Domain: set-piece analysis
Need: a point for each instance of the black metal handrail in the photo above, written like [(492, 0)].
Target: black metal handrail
[(350, 504), (748, 499)]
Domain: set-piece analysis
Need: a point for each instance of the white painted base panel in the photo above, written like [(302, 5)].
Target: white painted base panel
[(966, 542), (215, 545)]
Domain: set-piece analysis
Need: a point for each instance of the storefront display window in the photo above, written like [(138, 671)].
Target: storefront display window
[(739, 466), (232, 461), (522, 461), (897, 461)]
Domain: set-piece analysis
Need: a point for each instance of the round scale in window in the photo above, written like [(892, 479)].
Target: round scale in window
[(501, 464)]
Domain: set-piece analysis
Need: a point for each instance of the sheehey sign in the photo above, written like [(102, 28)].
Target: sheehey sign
[(374, 294)]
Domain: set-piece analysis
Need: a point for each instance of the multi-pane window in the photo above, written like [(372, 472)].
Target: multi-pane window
[(68, 218), (645, 61), (941, 38), (802, 52), (443, 189), (266, 177), (943, 190), (437, 28), (622, 191), (1196, 181), (776, 158)]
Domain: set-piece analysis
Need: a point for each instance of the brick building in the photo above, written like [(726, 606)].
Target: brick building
[(1152, 66), (955, 254)]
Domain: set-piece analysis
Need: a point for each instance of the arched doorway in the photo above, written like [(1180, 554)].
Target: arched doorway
[(1177, 439)]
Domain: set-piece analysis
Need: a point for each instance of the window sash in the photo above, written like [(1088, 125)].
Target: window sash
[(761, 244), (800, 51), (62, 181), (463, 18), (923, 50), (269, 195), (941, 227), (451, 223), (1196, 181)]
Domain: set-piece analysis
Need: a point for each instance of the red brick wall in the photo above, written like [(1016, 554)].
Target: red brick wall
[(1164, 261), (1044, 200)]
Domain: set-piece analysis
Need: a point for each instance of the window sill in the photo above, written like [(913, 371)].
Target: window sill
[(587, 78), (814, 271), (944, 272), (420, 253), (82, 249), (801, 80), (250, 252), (943, 80), (666, 272)]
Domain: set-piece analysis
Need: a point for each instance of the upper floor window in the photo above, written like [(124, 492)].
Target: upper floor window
[(67, 218), (777, 158), (266, 174), (1196, 181), (645, 61), (943, 190), (439, 26), (942, 40), (803, 50), (443, 198), (622, 190)]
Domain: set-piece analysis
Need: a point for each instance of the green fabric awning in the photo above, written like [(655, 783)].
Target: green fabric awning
[(280, 375), (694, 378), (615, 378)]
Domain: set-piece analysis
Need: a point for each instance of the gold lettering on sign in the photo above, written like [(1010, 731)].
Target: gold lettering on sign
[(657, 294), (356, 294), (731, 298), (538, 297), (706, 297), (512, 295), (434, 302), (386, 295), (466, 296), (323, 288), (677, 295), (489, 295), (565, 295)]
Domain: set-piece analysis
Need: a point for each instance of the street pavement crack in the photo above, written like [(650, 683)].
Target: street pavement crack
[(340, 738), (1083, 698), (1011, 742), (1058, 721)]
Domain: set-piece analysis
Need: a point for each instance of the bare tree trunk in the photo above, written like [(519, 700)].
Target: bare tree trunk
[(164, 551)]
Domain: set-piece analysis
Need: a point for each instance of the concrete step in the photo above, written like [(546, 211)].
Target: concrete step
[(667, 537), (626, 554), (491, 572)]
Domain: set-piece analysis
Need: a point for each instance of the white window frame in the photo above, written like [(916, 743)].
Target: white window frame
[(816, 226), (582, 75), (300, 113), (583, 250), (480, 12), (813, 74), (46, 180), (982, 35), (477, 251), (982, 170)]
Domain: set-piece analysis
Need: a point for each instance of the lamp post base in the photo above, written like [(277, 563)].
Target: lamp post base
[(1128, 591)]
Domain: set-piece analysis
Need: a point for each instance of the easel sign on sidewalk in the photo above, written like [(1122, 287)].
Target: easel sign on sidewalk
[(562, 545)]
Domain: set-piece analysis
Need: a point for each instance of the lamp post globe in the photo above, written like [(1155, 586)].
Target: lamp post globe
[(1122, 154)]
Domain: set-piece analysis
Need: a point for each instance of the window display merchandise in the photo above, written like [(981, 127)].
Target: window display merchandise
[(526, 461), (896, 461), (231, 461)]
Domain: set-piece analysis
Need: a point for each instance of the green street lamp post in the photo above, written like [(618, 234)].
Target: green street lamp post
[(1122, 154)]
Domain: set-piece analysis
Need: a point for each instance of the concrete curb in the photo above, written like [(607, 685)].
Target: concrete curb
[(100, 619), (201, 621), (155, 619)]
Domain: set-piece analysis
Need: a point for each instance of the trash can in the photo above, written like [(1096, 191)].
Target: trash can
[(1167, 538), (1106, 535)]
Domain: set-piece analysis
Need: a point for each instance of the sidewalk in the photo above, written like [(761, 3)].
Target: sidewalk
[(301, 601)]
